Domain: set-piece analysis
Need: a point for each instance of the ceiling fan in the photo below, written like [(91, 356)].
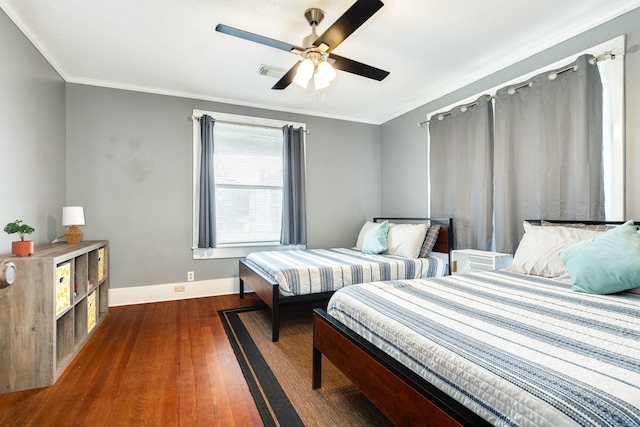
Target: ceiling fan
[(317, 57)]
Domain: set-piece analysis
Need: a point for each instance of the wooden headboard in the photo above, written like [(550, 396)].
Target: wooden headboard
[(444, 244), (575, 221)]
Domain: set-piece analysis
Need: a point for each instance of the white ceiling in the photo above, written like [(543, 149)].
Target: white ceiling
[(170, 46)]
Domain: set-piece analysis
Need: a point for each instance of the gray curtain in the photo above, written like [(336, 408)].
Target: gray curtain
[(461, 172), (207, 196), (294, 222), (548, 151)]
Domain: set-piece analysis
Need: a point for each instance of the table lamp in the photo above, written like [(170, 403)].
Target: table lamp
[(72, 216)]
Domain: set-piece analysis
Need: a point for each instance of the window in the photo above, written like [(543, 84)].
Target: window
[(248, 169), (248, 183)]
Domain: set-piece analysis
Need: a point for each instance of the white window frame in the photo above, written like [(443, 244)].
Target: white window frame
[(230, 251)]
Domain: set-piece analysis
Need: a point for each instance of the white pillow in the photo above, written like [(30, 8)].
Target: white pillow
[(366, 227), (537, 253), (406, 239)]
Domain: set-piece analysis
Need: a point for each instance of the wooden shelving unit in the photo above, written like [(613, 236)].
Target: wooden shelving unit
[(59, 297)]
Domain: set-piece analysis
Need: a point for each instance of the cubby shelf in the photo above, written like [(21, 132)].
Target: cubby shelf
[(59, 297)]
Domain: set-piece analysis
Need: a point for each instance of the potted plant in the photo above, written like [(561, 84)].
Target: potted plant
[(20, 247)]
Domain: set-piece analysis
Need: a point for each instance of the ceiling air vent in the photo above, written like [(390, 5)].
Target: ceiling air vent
[(269, 71)]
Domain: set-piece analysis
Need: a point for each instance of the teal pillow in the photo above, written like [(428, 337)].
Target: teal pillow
[(375, 240), (607, 263)]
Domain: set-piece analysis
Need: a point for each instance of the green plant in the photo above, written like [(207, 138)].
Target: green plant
[(18, 227)]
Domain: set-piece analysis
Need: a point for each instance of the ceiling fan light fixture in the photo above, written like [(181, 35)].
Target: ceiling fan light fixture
[(326, 72), (319, 48), (304, 73), (319, 82), (301, 82)]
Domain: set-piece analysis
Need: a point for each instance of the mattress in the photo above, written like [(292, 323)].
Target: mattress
[(515, 349), (303, 272)]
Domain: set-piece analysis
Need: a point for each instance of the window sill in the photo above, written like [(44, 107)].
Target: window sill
[(239, 252)]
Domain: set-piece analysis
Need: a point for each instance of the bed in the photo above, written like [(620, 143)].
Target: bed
[(499, 347), (275, 276)]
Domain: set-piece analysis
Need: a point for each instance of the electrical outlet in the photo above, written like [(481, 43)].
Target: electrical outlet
[(178, 288), (190, 276)]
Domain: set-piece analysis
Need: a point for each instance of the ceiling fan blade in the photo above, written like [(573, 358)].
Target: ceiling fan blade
[(287, 79), (355, 67), (258, 39), (350, 21)]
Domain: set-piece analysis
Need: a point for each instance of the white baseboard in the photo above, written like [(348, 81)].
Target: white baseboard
[(167, 292)]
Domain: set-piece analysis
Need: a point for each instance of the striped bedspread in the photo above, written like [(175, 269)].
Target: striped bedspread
[(303, 272), (517, 350)]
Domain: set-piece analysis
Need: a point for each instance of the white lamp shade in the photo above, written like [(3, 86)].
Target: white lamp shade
[(305, 69), (301, 82), (72, 215), (304, 73), (319, 82), (326, 71)]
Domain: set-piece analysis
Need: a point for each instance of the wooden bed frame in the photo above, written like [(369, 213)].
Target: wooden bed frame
[(269, 291), (403, 396)]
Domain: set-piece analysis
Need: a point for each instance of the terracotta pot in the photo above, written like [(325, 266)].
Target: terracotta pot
[(20, 248)]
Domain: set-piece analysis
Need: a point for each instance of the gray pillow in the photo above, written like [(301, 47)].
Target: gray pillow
[(429, 240)]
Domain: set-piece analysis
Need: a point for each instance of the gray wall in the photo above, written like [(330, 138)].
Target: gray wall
[(126, 157), (404, 145), (32, 138), (129, 165)]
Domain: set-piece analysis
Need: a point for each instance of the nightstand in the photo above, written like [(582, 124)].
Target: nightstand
[(473, 260)]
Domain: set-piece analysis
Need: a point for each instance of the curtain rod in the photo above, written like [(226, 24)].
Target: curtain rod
[(193, 117), (464, 108), (605, 56)]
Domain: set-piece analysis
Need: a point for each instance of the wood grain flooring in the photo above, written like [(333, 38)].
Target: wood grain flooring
[(159, 364)]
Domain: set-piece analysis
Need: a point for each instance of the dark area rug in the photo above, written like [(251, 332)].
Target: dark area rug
[(279, 374)]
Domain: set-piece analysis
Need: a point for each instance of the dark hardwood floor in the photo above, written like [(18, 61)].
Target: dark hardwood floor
[(159, 364)]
